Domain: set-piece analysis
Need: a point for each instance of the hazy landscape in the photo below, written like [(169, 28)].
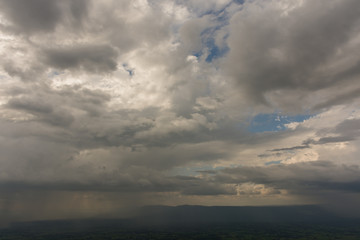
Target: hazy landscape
[(197, 222)]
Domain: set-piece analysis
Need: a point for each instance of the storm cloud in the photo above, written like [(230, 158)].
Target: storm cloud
[(177, 102), (293, 50), (86, 58), (39, 16)]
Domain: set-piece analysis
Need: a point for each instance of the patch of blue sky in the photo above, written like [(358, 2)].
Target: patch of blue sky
[(54, 73), (214, 51), (215, 12), (274, 122), (198, 54), (131, 71), (209, 46), (273, 163), (239, 1)]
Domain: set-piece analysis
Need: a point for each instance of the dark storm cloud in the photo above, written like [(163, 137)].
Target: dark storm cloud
[(287, 52), (349, 127), (78, 10), (347, 131), (42, 110), (56, 107), (30, 105), (91, 101), (41, 15), (35, 15), (132, 179), (266, 155), (89, 58), (120, 184), (290, 148), (341, 98), (87, 124), (207, 189), (167, 157), (26, 74)]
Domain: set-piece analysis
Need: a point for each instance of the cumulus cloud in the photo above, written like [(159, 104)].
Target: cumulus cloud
[(41, 16), (87, 58), (296, 50)]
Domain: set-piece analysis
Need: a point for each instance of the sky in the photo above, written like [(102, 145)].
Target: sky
[(107, 105)]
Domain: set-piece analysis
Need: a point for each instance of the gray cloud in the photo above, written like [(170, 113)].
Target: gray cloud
[(287, 52), (325, 140), (209, 189), (348, 127), (58, 107), (37, 15), (291, 148), (302, 178), (265, 155), (339, 99), (78, 10), (40, 15), (42, 110), (98, 59), (346, 131), (30, 105)]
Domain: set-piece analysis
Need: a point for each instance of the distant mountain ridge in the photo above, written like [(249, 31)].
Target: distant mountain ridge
[(192, 214), (196, 223), (197, 216)]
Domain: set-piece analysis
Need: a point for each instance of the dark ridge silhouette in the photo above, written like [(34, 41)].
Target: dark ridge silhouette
[(197, 222), (200, 215), (192, 215)]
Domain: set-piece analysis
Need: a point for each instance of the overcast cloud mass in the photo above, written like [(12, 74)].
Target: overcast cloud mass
[(110, 104)]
